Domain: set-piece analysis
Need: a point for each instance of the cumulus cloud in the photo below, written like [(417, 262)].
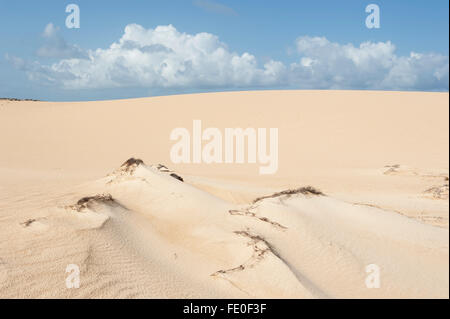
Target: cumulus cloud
[(324, 64), (56, 47), (164, 58)]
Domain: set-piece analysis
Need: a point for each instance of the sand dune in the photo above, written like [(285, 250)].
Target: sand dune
[(363, 180)]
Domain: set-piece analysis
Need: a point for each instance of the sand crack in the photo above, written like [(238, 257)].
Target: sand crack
[(260, 249), (248, 213)]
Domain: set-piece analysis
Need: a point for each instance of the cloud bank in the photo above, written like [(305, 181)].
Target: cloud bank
[(164, 58)]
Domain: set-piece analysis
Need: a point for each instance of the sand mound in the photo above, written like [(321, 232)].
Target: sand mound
[(128, 168), (296, 243)]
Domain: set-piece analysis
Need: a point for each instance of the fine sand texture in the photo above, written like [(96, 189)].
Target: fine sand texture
[(357, 209)]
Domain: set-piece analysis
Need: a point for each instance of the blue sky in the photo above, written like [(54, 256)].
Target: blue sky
[(218, 46)]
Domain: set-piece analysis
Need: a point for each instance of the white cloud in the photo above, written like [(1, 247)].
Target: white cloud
[(164, 58), (56, 47), (50, 30), (325, 64)]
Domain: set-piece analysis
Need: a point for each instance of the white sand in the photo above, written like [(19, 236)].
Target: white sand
[(381, 158)]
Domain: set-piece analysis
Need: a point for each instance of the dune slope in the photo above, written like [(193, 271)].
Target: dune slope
[(148, 234)]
